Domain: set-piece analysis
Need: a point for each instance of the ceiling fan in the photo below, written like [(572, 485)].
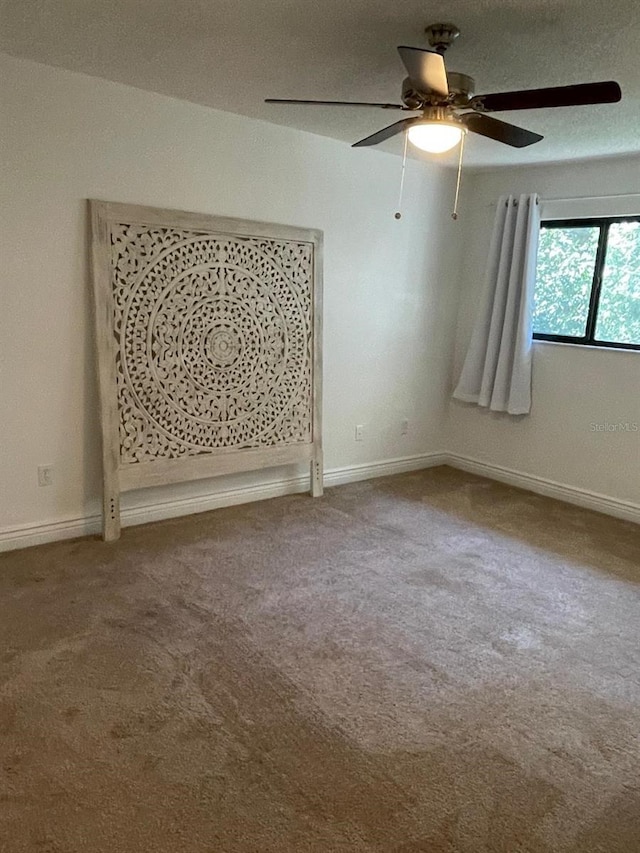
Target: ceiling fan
[(449, 107)]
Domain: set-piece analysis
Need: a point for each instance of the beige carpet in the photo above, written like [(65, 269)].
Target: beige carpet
[(430, 662)]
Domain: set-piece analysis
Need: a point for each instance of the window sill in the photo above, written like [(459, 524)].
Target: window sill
[(592, 347)]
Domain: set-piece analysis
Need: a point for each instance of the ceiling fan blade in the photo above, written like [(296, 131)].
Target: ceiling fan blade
[(607, 92), (335, 103), (517, 137), (385, 133), (426, 69)]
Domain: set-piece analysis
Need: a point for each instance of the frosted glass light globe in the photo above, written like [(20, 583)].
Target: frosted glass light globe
[(435, 137)]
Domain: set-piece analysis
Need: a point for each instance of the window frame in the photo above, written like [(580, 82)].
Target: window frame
[(604, 223)]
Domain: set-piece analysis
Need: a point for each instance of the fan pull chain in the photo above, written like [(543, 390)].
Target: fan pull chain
[(398, 215), (454, 215)]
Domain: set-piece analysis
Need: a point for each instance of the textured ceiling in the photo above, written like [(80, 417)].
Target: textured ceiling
[(231, 54)]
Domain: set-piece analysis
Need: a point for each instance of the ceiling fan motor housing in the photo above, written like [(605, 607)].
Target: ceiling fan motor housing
[(461, 88), (445, 115)]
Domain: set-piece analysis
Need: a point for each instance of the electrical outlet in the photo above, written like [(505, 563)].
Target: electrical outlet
[(45, 475), (360, 432), (404, 426)]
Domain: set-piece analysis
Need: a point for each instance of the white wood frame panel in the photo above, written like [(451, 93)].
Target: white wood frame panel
[(188, 309)]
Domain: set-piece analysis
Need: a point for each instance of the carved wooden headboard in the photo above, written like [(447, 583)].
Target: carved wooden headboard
[(208, 335)]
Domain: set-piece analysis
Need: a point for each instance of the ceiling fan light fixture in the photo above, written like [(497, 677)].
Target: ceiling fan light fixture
[(436, 137)]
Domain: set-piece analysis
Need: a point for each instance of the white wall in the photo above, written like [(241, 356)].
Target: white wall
[(573, 387), (389, 299)]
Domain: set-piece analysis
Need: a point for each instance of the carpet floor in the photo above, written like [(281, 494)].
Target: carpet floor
[(426, 663)]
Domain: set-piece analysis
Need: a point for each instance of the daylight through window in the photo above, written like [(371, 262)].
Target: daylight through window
[(588, 282)]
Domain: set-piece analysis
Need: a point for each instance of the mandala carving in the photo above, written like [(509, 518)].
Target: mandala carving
[(214, 341)]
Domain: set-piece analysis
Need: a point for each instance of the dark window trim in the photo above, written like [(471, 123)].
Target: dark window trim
[(603, 223)]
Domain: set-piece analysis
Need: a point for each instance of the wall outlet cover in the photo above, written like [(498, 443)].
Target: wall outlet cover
[(45, 475)]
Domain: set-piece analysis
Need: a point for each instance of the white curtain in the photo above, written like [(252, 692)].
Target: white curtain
[(497, 369)]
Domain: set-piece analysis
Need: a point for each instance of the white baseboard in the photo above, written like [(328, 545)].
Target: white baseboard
[(71, 528), (25, 535), (627, 510), (38, 534), (368, 471)]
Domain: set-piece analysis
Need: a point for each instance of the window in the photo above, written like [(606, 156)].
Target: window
[(588, 282)]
